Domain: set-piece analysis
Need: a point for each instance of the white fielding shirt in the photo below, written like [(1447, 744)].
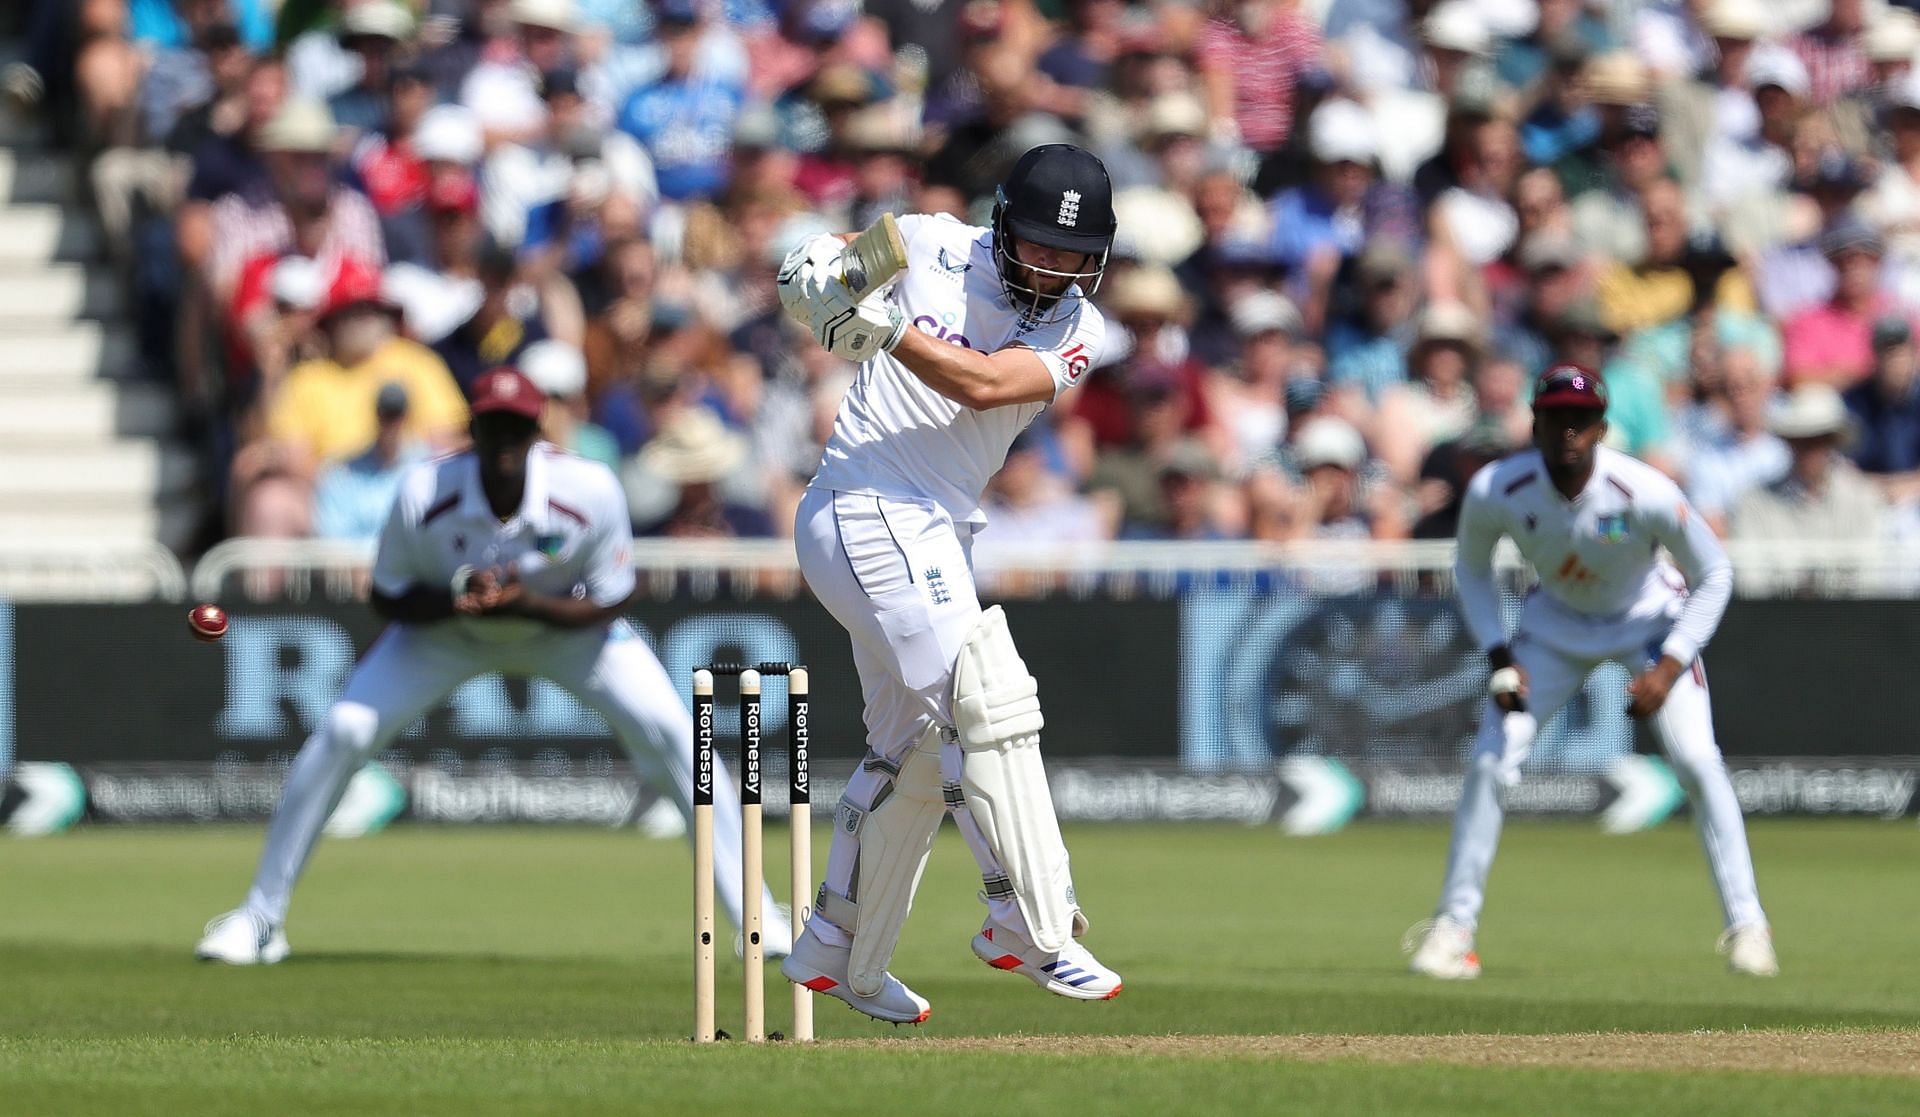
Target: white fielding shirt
[(896, 437), (569, 538), (1597, 555)]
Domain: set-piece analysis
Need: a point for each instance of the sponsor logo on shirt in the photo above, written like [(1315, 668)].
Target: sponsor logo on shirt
[(941, 329), (953, 268)]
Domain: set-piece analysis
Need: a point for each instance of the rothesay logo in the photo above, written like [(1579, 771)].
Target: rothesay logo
[(1069, 209)]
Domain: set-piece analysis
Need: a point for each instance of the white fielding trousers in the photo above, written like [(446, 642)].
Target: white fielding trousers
[(410, 669), (1558, 649), (898, 576)]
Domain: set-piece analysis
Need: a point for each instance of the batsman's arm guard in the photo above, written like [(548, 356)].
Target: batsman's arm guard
[(894, 834), (996, 710)]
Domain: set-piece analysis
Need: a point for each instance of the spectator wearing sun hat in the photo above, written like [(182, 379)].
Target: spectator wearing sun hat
[(503, 89), (1437, 401), (1705, 106), (697, 454), (1858, 118), (1268, 327), (1823, 495), (1148, 304), (1344, 204), (299, 145), (559, 370), (1338, 503), (373, 31)]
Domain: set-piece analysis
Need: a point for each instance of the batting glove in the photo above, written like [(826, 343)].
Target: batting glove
[(808, 278), (857, 331)]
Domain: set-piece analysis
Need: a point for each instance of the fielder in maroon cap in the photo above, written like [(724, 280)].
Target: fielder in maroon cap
[(513, 557), (1569, 420), (1628, 573)]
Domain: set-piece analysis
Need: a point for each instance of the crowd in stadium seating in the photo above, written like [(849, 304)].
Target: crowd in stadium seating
[(1351, 233)]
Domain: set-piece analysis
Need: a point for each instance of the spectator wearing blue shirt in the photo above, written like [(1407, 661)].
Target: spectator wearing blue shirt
[(161, 23), (370, 31), (352, 497), (685, 119), (1742, 455), (1344, 205), (1886, 409), (1083, 59), (1367, 349), (1563, 122), (1566, 30)]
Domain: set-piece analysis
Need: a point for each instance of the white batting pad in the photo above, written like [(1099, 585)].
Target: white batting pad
[(895, 836), (996, 709)]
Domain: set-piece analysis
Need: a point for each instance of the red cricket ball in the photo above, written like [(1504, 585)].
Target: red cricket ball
[(208, 622)]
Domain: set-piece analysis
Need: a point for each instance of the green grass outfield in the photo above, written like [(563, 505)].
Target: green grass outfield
[(441, 971)]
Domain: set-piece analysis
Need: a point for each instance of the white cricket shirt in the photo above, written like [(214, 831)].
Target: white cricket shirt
[(895, 436), (569, 538), (1597, 555)]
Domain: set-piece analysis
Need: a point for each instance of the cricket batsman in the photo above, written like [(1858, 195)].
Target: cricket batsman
[(983, 328), (1593, 523), (513, 556)]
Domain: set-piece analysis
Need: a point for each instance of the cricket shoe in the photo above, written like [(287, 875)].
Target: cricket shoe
[(823, 969), (1441, 948), (1071, 972), (1749, 950), (242, 938), (776, 935)]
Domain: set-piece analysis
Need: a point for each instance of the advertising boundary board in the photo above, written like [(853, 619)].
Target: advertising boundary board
[(1300, 797)]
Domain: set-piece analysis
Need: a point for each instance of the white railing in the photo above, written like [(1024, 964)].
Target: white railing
[(763, 568), (88, 570)]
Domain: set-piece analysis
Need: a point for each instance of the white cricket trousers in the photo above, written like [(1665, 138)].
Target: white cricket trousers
[(411, 668), (1558, 649), (898, 576)]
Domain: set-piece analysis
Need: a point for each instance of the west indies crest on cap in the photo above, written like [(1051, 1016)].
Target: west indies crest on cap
[(1569, 386), (508, 391)]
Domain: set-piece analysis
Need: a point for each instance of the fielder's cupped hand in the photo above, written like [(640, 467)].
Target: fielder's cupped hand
[(490, 593), (1649, 689)]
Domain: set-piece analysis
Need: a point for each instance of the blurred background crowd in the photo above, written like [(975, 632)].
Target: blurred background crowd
[(1351, 233)]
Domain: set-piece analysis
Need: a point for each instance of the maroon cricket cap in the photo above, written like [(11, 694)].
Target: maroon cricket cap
[(1569, 386), (507, 390)]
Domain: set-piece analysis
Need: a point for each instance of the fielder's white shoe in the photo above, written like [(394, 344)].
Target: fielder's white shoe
[(1442, 948), (776, 934), (823, 969), (1749, 950), (242, 938), (1073, 972)]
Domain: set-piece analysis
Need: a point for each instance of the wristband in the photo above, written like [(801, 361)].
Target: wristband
[(1504, 681), (461, 576)]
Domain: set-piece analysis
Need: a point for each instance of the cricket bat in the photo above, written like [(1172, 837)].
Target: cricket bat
[(874, 258)]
